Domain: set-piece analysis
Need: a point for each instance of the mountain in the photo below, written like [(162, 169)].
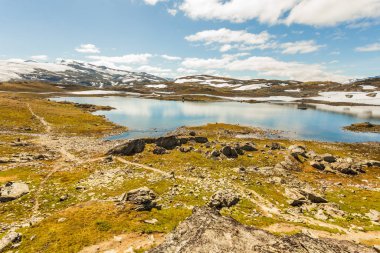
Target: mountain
[(72, 72)]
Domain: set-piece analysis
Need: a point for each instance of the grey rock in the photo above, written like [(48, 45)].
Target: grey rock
[(229, 152), (223, 198), (328, 158), (317, 165), (248, 147), (143, 198), (159, 151), (13, 190), (207, 231), (129, 148), (168, 142), (276, 146), (8, 239)]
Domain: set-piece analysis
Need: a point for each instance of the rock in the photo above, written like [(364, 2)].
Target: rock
[(152, 221), (5, 160), (317, 165), (208, 231), (372, 95), (328, 158), (143, 198), (60, 220), (169, 142), (13, 190), (297, 150), (239, 151), (215, 153), (349, 96), (313, 197), (290, 163), (248, 147), (229, 152), (320, 215), (186, 149), (345, 168), (63, 197), (276, 146), (8, 239), (374, 216), (300, 197), (129, 148), (199, 139), (192, 133), (159, 151), (223, 198)]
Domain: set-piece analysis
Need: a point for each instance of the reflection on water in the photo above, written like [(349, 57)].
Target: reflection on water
[(148, 117)]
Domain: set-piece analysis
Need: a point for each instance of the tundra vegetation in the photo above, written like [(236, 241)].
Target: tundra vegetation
[(66, 189)]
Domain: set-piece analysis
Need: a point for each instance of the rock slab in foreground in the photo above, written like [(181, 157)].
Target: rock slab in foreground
[(13, 190), (206, 231)]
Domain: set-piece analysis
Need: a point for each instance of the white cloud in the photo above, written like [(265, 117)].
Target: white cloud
[(245, 41), (41, 57), (300, 47), (225, 48), (224, 36), (369, 48), (266, 66), (153, 2), (87, 49), (125, 59), (172, 12), (309, 12), (171, 58)]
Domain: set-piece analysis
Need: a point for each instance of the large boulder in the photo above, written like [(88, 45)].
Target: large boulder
[(248, 147), (129, 148), (290, 163), (143, 198), (159, 151), (206, 230), (13, 190), (168, 142), (229, 152), (223, 198)]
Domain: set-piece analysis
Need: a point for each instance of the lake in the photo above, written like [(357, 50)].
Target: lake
[(151, 118)]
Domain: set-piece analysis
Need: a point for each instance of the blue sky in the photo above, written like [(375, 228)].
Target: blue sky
[(285, 39)]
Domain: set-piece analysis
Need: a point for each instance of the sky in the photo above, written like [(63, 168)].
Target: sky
[(306, 40)]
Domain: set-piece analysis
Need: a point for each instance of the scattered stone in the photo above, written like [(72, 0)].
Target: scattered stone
[(152, 221), (248, 147), (60, 220), (159, 151), (290, 163), (192, 133), (349, 96), (328, 158), (372, 95), (129, 148), (276, 146), (63, 197), (168, 142), (185, 149), (374, 216), (8, 239), (317, 165), (297, 150), (199, 139), (229, 152), (143, 198), (223, 198), (13, 190), (215, 153)]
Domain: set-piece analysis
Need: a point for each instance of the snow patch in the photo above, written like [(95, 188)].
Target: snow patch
[(348, 97), (156, 86), (255, 86)]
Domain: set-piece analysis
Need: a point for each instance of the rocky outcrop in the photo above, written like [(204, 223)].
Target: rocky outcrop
[(169, 142), (129, 148), (207, 231), (8, 239), (143, 198), (223, 198), (229, 152), (159, 151), (13, 190)]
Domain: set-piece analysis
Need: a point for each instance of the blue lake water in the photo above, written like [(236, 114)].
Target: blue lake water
[(149, 117)]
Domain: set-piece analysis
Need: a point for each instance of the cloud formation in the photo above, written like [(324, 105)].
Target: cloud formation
[(369, 48), (308, 12), (87, 49), (41, 57)]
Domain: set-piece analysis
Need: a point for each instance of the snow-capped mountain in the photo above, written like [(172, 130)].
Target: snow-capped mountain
[(72, 72)]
